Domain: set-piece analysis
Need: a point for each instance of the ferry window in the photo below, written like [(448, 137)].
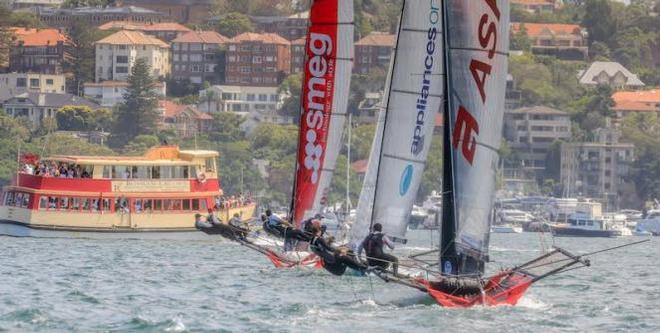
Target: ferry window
[(210, 165), (95, 205), (18, 200), (84, 203), (202, 204), (138, 206), (186, 204), (158, 205), (166, 172), (107, 171), (181, 172), (26, 200), (9, 199), (121, 205), (43, 203), (64, 203), (75, 204), (195, 204), (176, 204), (142, 172), (155, 173), (106, 205)]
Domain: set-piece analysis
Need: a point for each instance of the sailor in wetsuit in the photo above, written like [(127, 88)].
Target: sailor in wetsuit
[(201, 224), (373, 246), (335, 260), (238, 228), (279, 227)]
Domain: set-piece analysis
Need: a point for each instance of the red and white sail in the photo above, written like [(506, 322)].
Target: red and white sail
[(415, 96), (477, 48), (326, 81)]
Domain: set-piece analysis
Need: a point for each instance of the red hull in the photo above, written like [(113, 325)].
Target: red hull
[(279, 261), (502, 289)]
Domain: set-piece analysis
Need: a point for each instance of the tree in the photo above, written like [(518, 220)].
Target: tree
[(291, 87), (138, 113), (81, 53), (87, 3), (5, 35), (599, 51), (82, 118), (520, 41), (227, 127), (25, 20), (599, 21), (234, 24)]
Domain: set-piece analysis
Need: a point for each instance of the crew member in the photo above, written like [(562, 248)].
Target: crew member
[(237, 225), (201, 224), (285, 230), (335, 260), (373, 246), (214, 220)]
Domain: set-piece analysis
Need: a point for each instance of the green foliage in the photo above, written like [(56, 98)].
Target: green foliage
[(291, 87), (82, 118), (520, 41), (227, 127), (81, 53), (599, 21), (432, 176), (234, 24), (140, 144), (87, 3), (138, 114), (361, 141)]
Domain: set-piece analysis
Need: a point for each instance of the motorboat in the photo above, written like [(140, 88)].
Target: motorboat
[(514, 216), (584, 225), (651, 223), (506, 229)]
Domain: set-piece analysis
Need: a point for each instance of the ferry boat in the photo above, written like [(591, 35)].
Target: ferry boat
[(153, 196)]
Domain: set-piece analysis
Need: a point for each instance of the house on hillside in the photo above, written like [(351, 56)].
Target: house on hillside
[(116, 54), (565, 41), (165, 31), (627, 102), (290, 27), (185, 120), (110, 93), (182, 11), (37, 106), (373, 51), (95, 16), (255, 59), (609, 73), (38, 50), (196, 54), (16, 83)]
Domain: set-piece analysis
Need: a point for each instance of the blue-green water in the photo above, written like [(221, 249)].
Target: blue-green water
[(67, 285)]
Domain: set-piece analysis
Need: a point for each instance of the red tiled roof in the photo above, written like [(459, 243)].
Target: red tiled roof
[(161, 26), (208, 37), (172, 109), (537, 29), (377, 39), (643, 100), (111, 83), (127, 37), (266, 38), (360, 166), (38, 37)]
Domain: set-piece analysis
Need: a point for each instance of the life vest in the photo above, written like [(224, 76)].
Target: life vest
[(373, 244)]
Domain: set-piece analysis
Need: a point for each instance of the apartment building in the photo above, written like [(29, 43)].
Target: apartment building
[(111, 93), (255, 59), (565, 41), (530, 131), (116, 54), (373, 51), (38, 50), (165, 31), (196, 54), (182, 11), (597, 169), (298, 55), (16, 83), (290, 27), (64, 17)]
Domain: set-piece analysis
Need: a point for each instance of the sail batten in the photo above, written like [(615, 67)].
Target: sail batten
[(324, 99)]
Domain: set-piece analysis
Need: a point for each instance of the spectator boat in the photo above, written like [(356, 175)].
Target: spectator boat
[(150, 196)]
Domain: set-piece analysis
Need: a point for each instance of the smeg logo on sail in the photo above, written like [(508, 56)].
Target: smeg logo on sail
[(429, 60), (318, 66)]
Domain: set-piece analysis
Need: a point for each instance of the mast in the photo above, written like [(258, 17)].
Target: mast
[(415, 96), (476, 51), (324, 101), (348, 167)]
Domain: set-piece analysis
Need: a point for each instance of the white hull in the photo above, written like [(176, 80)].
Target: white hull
[(20, 230), (506, 229)]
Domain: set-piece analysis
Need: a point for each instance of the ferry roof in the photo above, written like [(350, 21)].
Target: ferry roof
[(164, 155)]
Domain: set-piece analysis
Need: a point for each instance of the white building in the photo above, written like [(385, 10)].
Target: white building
[(256, 103), (609, 73), (116, 54), (110, 93), (16, 83)]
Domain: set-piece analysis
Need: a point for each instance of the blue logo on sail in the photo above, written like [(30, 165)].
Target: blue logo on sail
[(406, 180)]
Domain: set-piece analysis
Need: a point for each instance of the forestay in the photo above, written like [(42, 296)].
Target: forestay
[(327, 72), (477, 42), (415, 96)]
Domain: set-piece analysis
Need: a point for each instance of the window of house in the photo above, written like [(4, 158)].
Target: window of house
[(49, 82), (121, 47), (21, 82), (251, 97), (34, 82), (121, 70), (263, 97), (122, 59)]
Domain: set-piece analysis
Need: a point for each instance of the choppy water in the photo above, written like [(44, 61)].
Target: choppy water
[(70, 285)]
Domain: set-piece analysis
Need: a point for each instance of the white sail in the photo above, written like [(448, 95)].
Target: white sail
[(325, 90), (415, 96), (477, 47)]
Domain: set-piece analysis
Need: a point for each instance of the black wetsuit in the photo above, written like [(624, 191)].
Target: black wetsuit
[(335, 262), (373, 246)]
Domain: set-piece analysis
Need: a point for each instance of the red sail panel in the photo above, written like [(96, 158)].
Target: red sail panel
[(324, 96)]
